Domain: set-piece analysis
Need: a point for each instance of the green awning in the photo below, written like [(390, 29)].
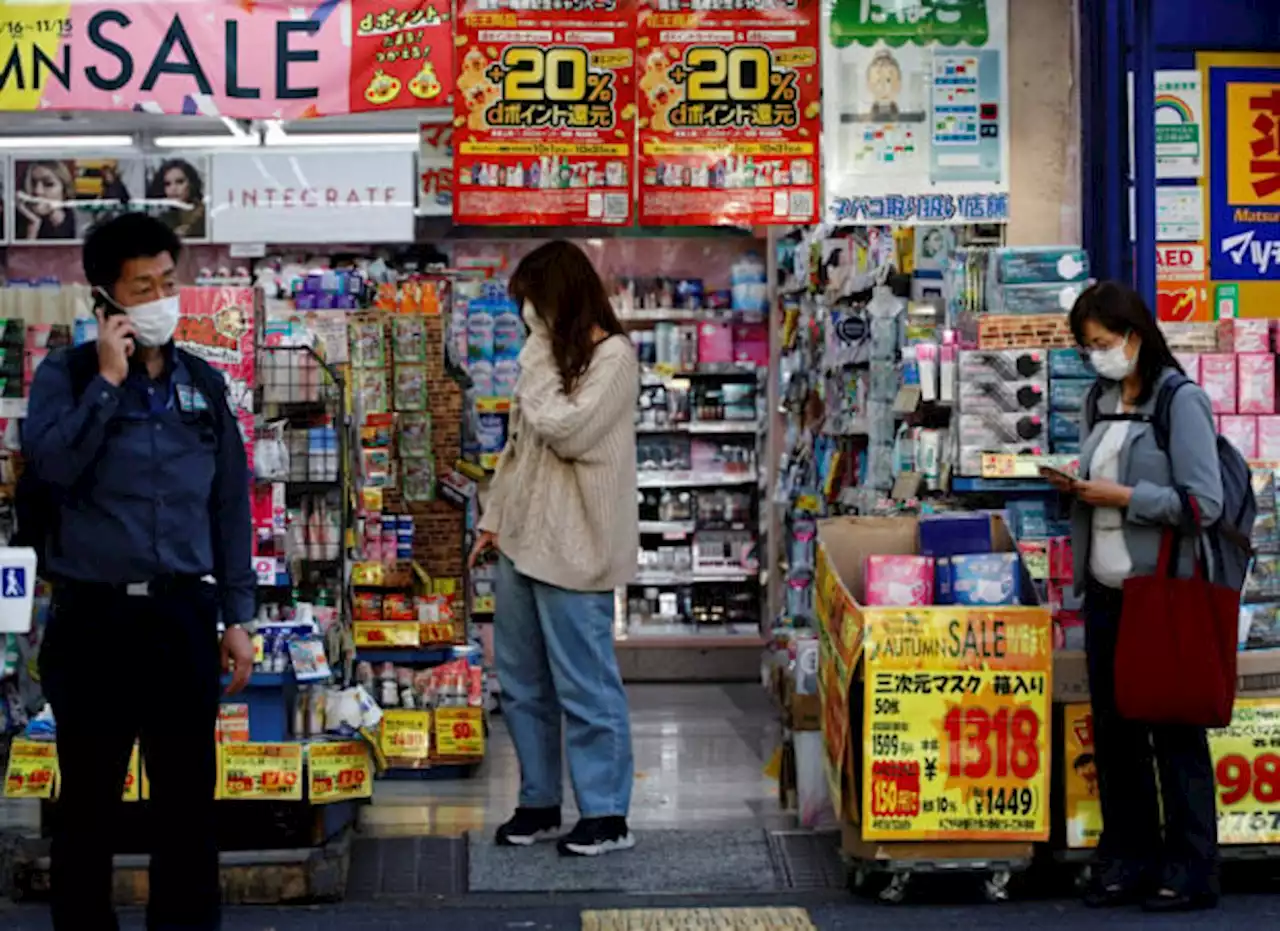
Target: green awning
[(899, 22)]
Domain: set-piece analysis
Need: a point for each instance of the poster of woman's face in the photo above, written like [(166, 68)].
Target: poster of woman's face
[(176, 192), (58, 199)]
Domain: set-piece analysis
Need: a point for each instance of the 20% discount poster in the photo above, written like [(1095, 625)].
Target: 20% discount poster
[(957, 724)]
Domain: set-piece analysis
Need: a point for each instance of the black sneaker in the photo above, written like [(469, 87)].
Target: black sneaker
[(595, 836), (529, 826)]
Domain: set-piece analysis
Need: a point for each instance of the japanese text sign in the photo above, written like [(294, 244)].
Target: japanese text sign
[(406, 734), (729, 112), (217, 325), (260, 772), (32, 770), (338, 772), (957, 724), (247, 59), (459, 732), (545, 112), (1244, 169)]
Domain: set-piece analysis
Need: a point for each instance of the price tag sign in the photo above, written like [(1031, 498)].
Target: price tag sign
[(387, 633), (957, 724), (435, 633), (729, 112), (260, 772), (32, 770), (544, 115), (459, 732), (339, 771), (406, 735), (133, 778)]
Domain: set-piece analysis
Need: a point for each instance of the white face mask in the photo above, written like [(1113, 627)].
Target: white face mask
[(1112, 363), (153, 321)]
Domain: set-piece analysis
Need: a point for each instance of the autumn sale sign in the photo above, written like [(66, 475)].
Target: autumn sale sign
[(544, 113), (729, 112)]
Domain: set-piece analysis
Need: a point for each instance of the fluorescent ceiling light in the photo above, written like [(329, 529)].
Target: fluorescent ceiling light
[(276, 136), (65, 142), (206, 141)]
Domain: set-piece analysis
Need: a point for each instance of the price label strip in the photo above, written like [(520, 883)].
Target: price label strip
[(339, 772), (544, 115), (32, 770), (957, 724), (460, 732), (260, 772), (729, 113), (406, 735)]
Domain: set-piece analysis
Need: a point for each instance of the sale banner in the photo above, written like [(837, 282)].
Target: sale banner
[(459, 732), (406, 734), (260, 772), (32, 769), (244, 59), (956, 728), (217, 325), (1080, 778), (544, 113), (339, 772), (729, 112)]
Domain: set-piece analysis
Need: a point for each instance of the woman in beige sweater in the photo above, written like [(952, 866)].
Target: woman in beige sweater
[(562, 515)]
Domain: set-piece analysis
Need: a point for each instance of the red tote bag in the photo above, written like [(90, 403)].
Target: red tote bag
[(1176, 651)]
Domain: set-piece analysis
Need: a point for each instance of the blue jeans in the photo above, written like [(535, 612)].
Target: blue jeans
[(555, 658)]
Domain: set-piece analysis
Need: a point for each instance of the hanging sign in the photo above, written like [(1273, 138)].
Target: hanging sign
[(729, 112), (217, 325), (339, 772), (260, 772), (267, 59), (915, 111), (545, 112), (435, 170), (1244, 169), (957, 724)]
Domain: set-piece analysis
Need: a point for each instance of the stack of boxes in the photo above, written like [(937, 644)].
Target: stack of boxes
[(1070, 378), (1003, 404), (1036, 281)]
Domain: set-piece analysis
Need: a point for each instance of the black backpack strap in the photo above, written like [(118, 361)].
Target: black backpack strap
[(210, 383), (82, 366), (1090, 407)]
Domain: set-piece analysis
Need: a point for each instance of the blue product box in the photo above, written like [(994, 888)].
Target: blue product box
[(1027, 299), (1029, 520), (1066, 448), (1070, 363), (985, 579), (1068, 394), (948, 534), (1064, 427)]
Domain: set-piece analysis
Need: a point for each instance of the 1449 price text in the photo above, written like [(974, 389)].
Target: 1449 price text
[(734, 87), (550, 87)]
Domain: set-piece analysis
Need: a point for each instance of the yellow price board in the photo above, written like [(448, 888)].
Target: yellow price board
[(260, 772), (32, 770), (406, 735), (459, 732), (339, 772), (435, 633), (387, 633), (957, 724), (133, 778), (1246, 764)]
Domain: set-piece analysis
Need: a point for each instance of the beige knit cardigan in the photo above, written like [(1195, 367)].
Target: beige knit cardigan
[(563, 498)]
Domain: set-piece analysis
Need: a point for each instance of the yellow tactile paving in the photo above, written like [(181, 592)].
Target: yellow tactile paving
[(698, 919)]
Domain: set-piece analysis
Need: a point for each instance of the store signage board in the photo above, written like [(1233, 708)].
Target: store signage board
[(957, 724), (729, 112), (260, 771), (313, 197), (1244, 174), (916, 112), (435, 170), (544, 114), (1180, 125), (339, 772), (268, 59), (1246, 770)]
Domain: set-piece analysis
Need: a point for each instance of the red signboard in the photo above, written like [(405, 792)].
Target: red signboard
[(544, 112), (729, 112)]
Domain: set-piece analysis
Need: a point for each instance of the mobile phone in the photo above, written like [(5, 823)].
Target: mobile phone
[(1051, 472)]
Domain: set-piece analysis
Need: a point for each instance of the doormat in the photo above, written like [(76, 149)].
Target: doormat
[(694, 919), (662, 861)]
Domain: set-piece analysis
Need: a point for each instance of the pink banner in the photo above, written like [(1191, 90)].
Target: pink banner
[(217, 326), (246, 59)]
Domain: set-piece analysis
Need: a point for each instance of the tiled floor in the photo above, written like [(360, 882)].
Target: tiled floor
[(700, 756)]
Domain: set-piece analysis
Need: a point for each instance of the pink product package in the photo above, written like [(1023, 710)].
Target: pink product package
[(1190, 362), (1256, 392), (1248, 335), (1242, 431), (751, 344), (1269, 438), (715, 343), (899, 581), (1218, 379)]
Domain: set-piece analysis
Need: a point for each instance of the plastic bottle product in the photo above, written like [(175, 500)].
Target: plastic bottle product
[(508, 331), (748, 280)]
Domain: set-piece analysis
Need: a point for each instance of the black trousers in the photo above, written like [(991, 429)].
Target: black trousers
[(119, 668), (1129, 755)]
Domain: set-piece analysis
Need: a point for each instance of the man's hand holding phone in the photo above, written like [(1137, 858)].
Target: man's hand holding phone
[(115, 346)]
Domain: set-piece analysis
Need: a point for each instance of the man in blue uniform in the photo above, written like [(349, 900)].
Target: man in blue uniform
[(148, 548)]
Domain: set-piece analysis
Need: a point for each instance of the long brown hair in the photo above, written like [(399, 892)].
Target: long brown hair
[(560, 282)]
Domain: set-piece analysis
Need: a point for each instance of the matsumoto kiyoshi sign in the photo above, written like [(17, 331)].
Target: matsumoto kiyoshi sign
[(1244, 167), (250, 59)]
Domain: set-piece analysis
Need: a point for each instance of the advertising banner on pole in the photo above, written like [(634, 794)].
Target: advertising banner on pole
[(729, 112), (267, 59), (545, 112), (915, 111)]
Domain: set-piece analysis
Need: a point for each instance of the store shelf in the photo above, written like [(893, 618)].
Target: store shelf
[(694, 480), (690, 639), (731, 427), (403, 657), (693, 578), (679, 315), (971, 485), (667, 526), (660, 371)]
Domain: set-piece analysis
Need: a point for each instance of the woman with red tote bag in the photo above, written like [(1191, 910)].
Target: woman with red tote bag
[(1130, 491)]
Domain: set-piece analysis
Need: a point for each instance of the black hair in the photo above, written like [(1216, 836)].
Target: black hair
[(1119, 309), (155, 190), (128, 236)]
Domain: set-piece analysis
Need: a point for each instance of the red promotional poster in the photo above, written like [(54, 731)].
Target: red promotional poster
[(729, 112), (401, 55), (544, 112), (217, 325)]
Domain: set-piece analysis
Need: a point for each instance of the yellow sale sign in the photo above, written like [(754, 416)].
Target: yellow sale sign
[(133, 778), (339, 772), (459, 732), (32, 770), (260, 771), (956, 728), (406, 734), (1080, 780)]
